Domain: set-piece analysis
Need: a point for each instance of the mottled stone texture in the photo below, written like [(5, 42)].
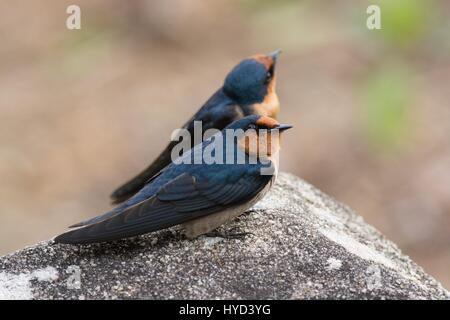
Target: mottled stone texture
[(304, 245)]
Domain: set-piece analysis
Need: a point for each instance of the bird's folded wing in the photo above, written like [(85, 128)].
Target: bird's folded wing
[(184, 198)]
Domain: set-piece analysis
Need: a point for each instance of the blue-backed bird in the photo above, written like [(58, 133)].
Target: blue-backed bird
[(199, 197), (249, 89)]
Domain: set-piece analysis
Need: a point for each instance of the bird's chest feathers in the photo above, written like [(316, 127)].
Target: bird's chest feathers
[(269, 107)]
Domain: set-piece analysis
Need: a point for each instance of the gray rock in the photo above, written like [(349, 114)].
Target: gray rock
[(304, 245)]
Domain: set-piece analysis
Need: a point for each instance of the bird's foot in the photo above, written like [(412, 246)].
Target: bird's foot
[(229, 234)]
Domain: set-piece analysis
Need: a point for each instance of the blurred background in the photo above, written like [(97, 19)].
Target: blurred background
[(81, 111)]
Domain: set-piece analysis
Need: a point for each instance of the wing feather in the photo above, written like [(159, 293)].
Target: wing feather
[(184, 198)]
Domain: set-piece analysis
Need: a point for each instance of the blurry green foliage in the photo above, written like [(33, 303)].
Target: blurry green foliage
[(387, 104), (405, 21)]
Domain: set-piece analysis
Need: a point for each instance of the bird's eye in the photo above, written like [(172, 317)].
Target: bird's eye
[(269, 75)]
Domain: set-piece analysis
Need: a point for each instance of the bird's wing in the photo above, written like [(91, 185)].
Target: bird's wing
[(216, 113), (184, 198)]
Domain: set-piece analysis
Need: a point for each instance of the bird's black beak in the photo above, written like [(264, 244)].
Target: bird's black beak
[(274, 55), (282, 127)]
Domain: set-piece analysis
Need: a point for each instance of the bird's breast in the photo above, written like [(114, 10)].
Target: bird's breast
[(275, 160)]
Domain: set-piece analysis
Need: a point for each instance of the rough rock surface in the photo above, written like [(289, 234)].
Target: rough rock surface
[(304, 246)]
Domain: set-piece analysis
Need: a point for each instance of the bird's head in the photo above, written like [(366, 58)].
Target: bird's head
[(252, 79), (260, 135)]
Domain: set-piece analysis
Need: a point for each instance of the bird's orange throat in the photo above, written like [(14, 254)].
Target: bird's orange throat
[(270, 106), (262, 145)]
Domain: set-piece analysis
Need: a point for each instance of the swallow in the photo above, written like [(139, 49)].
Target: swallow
[(198, 197), (249, 89)]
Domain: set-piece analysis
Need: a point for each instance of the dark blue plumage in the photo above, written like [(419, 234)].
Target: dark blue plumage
[(247, 82)]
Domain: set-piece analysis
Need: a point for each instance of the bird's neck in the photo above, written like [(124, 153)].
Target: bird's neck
[(269, 107)]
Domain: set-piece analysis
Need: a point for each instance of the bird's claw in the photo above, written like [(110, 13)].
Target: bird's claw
[(228, 234)]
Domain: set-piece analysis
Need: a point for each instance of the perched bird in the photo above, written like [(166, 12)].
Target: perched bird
[(248, 89), (200, 197)]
